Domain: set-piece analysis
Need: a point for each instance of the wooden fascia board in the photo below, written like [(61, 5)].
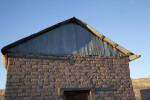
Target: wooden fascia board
[(133, 57), (4, 61), (115, 45)]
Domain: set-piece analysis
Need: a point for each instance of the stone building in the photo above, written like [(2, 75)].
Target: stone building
[(68, 61)]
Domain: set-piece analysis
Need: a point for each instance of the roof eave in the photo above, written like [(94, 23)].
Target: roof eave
[(133, 57)]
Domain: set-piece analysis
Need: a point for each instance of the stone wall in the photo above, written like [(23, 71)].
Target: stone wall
[(140, 84), (34, 77)]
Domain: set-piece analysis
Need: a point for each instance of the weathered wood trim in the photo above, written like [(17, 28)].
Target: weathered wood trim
[(132, 57), (115, 45), (4, 61), (125, 51), (95, 32)]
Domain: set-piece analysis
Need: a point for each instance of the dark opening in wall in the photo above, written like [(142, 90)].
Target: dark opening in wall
[(77, 95)]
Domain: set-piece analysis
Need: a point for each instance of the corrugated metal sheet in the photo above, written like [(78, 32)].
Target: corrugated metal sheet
[(67, 39)]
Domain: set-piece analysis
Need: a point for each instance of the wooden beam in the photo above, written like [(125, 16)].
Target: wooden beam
[(95, 32), (125, 51), (4, 61), (132, 57)]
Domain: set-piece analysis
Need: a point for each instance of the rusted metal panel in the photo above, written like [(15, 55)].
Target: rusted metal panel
[(67, 39)]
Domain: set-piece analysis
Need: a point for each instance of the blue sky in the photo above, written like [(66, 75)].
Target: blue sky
[(126, 22)]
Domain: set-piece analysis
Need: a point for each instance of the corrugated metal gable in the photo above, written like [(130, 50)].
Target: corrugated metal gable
[(68, 39)]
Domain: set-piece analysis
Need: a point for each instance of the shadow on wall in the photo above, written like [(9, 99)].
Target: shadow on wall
[(145, 94)]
